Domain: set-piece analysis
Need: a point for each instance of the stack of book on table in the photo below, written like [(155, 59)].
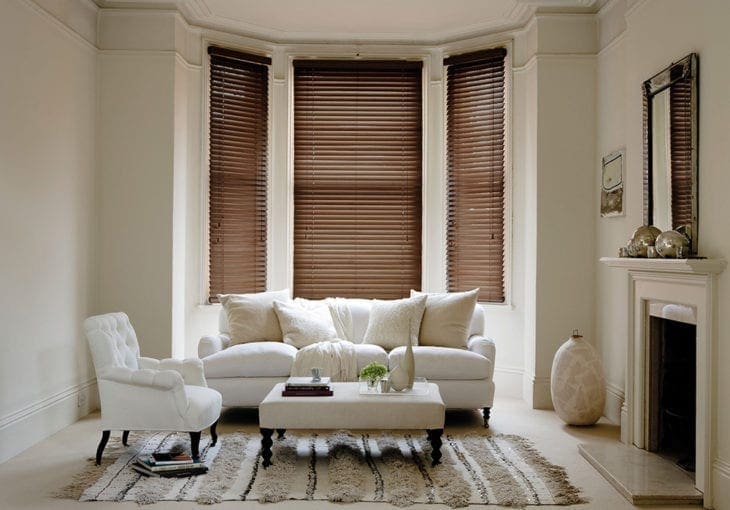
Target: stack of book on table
[(307, 387), (169, 464)]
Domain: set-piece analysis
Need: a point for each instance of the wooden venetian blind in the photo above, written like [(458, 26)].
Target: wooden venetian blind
[(238, 168), (357, 178), (680, 116), (475, 117)]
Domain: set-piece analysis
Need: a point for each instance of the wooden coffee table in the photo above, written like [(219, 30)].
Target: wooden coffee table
[(348, 409)]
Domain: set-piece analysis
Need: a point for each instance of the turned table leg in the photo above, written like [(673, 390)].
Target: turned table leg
[(266, 443), (280, 433), (434, 436)]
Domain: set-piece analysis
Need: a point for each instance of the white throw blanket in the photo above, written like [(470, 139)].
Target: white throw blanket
[(336, 360), (341, 317)]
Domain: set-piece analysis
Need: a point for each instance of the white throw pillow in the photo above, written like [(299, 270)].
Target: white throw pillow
[(251, 317), (305, 322), (392, 323), (447, 318)]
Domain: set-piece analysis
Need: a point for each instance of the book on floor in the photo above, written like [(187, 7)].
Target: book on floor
[(161, 458), (147, 463), (170, 473)]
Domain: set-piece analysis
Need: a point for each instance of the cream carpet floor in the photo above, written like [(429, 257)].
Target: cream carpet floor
[(28, 480)]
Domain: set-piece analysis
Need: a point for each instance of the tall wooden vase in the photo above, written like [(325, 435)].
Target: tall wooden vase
[(402, 376)]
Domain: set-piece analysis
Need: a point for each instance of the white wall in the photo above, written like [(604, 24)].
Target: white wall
[(48, 228), (657, 33), (149, 153), (136, 186)]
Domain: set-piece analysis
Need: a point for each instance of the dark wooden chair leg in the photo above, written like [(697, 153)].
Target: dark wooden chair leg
[(486, 412), (214, 434), (434, 436), (195, 445), (102, 444), (280, 433), (266, 443), (125, 437)]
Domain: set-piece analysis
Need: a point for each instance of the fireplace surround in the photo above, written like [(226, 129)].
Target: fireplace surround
[(689, 287)]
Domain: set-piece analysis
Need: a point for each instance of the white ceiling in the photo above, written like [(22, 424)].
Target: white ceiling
[(359, 20)]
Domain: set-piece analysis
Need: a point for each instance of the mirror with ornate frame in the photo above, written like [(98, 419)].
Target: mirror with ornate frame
[(670, 149)]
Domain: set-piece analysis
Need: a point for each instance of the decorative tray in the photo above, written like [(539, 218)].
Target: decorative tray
[(420, 388)]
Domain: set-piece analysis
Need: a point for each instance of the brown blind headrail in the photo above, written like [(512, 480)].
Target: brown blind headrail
[(357, 179), (238, 169), (475, 120)]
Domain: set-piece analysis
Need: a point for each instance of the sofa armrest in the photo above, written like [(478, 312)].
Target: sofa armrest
[(482, 345), (191, 369), (211, 344)]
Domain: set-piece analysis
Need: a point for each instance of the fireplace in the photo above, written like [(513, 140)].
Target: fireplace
[(670, 383)]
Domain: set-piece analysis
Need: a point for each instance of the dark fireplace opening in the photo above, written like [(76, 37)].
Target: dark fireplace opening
[(672, 390)]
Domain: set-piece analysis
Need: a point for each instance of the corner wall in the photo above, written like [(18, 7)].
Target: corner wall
[(48, 204), (557, 151)]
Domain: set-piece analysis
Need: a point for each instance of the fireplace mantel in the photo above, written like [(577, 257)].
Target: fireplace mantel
[(687, 266), (687, 282)]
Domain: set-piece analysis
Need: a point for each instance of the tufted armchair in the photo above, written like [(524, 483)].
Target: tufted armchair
[(143, 393)]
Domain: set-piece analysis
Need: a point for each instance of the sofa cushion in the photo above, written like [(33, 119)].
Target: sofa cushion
[(368, 353), (447, 318), (444, 363), (394, 323), (253, 359), (251, 317), (304, 322)]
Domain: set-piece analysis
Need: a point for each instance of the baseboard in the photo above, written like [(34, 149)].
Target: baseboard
[(614, 401), (536, 392), (721, 484), (24, 428), (508, 382)]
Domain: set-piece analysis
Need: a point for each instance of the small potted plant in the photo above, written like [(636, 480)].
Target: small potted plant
[(372, 373)]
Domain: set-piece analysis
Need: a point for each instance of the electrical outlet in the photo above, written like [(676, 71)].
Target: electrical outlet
[(81, 400)]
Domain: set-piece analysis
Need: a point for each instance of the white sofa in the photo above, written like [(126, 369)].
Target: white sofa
[(245, 373)]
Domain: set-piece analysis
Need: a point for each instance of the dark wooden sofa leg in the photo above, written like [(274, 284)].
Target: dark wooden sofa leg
[(214, 434), (195, 445), (486, 412), (125, 437), (102, 444)]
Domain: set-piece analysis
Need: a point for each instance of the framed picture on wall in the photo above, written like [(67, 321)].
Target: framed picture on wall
[(612, 185)]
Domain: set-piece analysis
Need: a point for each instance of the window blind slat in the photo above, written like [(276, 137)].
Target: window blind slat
[(238, 167), (475, 147), (357, 179)]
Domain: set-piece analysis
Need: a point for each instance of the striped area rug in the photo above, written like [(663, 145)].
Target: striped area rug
[(338, 466)]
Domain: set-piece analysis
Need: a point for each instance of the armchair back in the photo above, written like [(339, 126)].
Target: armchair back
[(112, 341)]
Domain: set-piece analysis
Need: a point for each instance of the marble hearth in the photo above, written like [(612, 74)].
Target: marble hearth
[(656, 287)]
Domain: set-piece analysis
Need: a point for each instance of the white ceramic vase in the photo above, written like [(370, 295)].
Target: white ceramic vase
[(576, 382), (401, 377)]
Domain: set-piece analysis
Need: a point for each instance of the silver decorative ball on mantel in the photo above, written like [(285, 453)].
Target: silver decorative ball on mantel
[(672, 245), (576, 382), (643, 237)]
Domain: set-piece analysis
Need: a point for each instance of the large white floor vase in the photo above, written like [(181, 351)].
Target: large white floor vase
[(576, 382)]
